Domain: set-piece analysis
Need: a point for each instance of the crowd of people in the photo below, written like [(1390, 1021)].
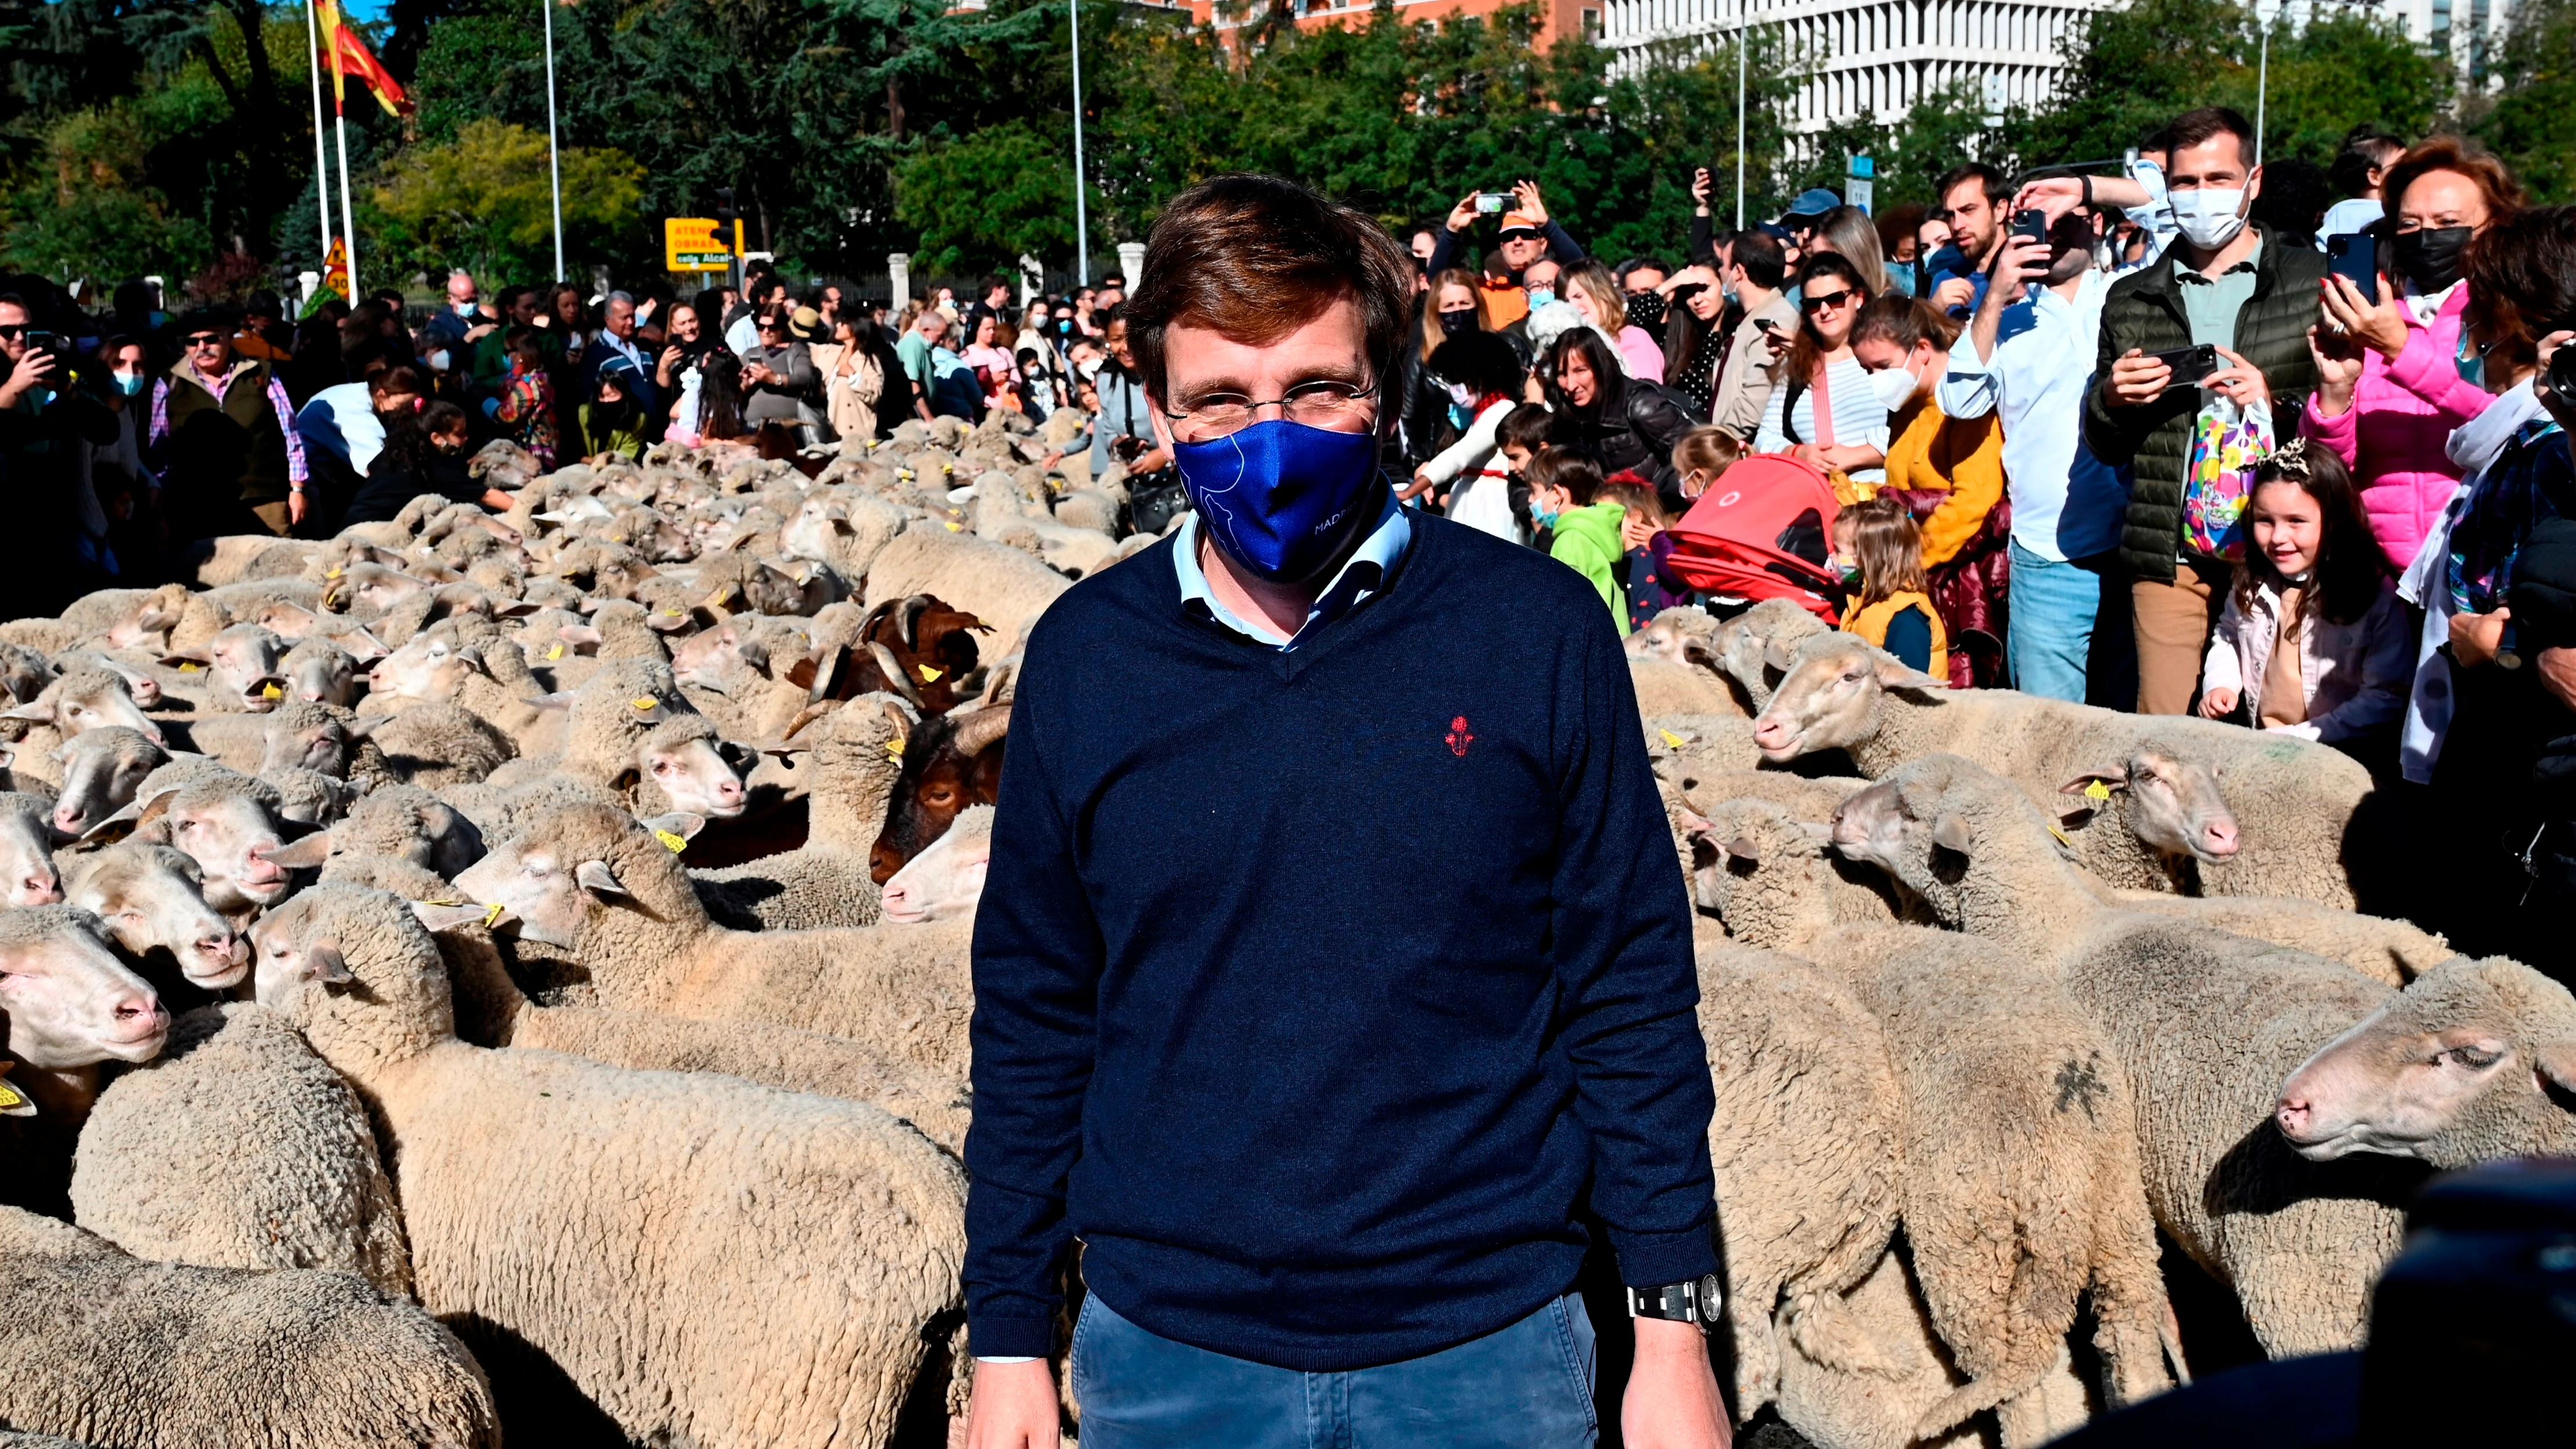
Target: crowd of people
[(2168, 438)]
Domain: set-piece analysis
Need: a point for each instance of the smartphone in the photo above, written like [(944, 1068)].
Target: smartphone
[(2355, 258), (2190, 364), (1492, 203), (2031, 224)]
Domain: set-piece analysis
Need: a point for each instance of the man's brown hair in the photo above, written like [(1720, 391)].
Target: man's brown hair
[(1255, 258)]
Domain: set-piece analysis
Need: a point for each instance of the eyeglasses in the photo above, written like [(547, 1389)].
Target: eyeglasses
[(1332, 406), (205, 339), (1814, 303), (12, 331)]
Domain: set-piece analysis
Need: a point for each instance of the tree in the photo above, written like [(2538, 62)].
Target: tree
[(482, 201), (2532, 124), (981, 201)]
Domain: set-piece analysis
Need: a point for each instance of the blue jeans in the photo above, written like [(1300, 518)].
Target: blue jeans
[(1524, 1386), (2058, 643)]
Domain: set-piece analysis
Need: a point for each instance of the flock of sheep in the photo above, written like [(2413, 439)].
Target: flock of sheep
[(512, 972)]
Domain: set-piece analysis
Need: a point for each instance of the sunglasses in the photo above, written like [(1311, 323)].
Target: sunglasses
[(1813, 304), (205, 339), (13, 330)]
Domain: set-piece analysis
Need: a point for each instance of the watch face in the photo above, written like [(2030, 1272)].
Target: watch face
[(1712, 1297)]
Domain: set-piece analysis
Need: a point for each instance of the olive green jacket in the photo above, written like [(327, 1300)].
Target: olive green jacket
[(2154, 440)]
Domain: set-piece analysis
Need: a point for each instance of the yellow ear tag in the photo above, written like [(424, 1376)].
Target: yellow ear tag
[(2097, 792), (554, 653), (2061, 835), (271, 691), (928, 674), (953, 528), (331, 597), (492, 913), (1672, 741), (644, 704), (330, 573), (188, 668), (442, 903), (672, 839), (894, 751), (11, 1097)]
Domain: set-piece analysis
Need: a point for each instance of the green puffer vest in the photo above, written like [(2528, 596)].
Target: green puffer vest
[(2143, 312)]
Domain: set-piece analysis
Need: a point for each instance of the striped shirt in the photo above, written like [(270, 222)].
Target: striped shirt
[(1857, 417)]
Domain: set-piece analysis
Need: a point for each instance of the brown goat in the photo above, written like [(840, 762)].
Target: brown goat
[(950, 761)]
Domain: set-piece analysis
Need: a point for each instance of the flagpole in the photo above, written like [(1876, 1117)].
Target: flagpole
[(1081, 202), (554, 164), (348, 223), (321, 157)]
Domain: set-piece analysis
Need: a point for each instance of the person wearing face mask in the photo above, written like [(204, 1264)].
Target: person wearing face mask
[(425, 452), (2393, 378), (1595, 294), (1468, 479), (1192, 1095), (2227, 284), (2027, 361), (1452, 306), (1528, 234), (1948, 473), (612, 422), (111, 471)]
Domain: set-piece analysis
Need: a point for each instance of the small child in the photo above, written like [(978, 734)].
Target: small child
[(1565, 499), (1879, 552), (2313, 641), (526, 406), (612, 421), (1702, 456), (1643, 533)]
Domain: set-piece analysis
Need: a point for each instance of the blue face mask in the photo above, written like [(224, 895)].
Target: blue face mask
[(1279, 497), (129, 383), (1540, 297)]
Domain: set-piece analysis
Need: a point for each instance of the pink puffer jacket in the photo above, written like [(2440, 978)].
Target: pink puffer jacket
[(2392, 437)]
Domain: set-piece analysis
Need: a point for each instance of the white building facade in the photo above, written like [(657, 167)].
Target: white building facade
[(1874, 59)]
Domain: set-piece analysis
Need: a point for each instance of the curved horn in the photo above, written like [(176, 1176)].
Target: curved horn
[(908, 619), (977, 731), (894, 673)]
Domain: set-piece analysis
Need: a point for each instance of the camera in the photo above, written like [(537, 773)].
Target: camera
[(1492, 203), (2562, 374)]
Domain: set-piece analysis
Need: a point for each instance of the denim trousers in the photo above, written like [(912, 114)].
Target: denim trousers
[(1524, 1386), (2059, 644)]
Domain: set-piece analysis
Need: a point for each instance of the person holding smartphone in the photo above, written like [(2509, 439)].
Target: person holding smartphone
[(1528, 234), (45, 419), (2393, 379), (2228, 284)]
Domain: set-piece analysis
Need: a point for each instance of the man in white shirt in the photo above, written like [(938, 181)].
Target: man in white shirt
[(2028, 357)]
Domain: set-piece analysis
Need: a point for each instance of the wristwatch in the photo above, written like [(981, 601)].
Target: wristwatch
[(1695, 1300)]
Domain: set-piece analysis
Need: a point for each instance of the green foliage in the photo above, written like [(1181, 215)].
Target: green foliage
[(981, 201), (85, 208), (2533, 122), (482, 201)]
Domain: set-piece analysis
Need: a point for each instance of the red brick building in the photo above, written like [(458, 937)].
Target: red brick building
[(1557, 17)]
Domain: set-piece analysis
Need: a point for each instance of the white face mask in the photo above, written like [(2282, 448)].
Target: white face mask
[(1893, 388), (2208, 217), (437, 360)]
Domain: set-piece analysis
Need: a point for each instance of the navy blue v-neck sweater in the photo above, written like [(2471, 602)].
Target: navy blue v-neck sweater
[(1315, 988)]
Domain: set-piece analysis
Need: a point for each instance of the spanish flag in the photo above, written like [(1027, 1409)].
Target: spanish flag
[(350, 57)]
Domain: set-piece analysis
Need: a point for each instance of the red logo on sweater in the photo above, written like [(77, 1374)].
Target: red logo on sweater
[(1458, 737)]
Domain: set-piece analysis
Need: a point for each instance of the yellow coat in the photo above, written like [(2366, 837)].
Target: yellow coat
[(1964, 457), (1871, 624)]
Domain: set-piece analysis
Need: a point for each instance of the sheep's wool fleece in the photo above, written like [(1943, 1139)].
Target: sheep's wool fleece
[(239, 1148), (161, 1356), (709, 1262)]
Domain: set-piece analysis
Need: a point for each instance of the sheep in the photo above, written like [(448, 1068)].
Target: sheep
[(2469, 1063), (1768, 877), (1804, 797), (239, 1148), (1756, 647), (228, 824), (946, 881), (71, 1005), (142, 1355), (2208, 1024), (823, 1232), (309, 797), (1678, 635), (2021, 1190), (1842, 693), (2148, 821), (241, 664), (27, 873), (436, 744), (851, 772), (24, 672), (1001, 586), (1665, 688), (1804, 1147), (631, 731), (321, 670), (752, 674), (73, 705), (400, 822), (101, 770), (151, 900), (468, 664), (594, 882)]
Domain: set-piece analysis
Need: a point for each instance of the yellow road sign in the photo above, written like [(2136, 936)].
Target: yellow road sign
[(690, 244)]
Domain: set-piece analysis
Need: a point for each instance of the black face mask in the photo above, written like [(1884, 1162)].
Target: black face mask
[(2430, 258), (1458, 323), (1646, 309)]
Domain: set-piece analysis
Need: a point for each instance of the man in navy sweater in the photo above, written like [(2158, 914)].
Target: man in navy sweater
[(1340, 956)]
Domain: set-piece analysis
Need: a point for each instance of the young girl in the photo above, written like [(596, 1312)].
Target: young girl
[(1643, 533), (2313, 641), (1583, 527), (1880, 552), (1703, 456), (526, 406)]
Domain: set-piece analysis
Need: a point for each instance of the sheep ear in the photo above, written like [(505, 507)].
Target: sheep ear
[(1777, 655), (1742, 848), (596, 878), (560, 699), (678, 822), (362, 646), (578, 634), (754, 653), (307, 853), (147, 811), (436, 917), (1950, 832), (323, 962), (41, 711), (2115, 777), (365, 725), (1895, 673), (2557, 1062), (1696, 651)]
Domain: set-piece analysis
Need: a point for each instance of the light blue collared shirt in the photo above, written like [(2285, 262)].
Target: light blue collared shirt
[(1362, 577)]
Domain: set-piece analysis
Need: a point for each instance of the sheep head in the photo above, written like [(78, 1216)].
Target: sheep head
[(69, 1001), (2174, 805), (1831, 691), (2473, 1060), (151, 897)]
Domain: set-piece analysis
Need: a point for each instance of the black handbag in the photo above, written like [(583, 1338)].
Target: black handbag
[(1154, 500)]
